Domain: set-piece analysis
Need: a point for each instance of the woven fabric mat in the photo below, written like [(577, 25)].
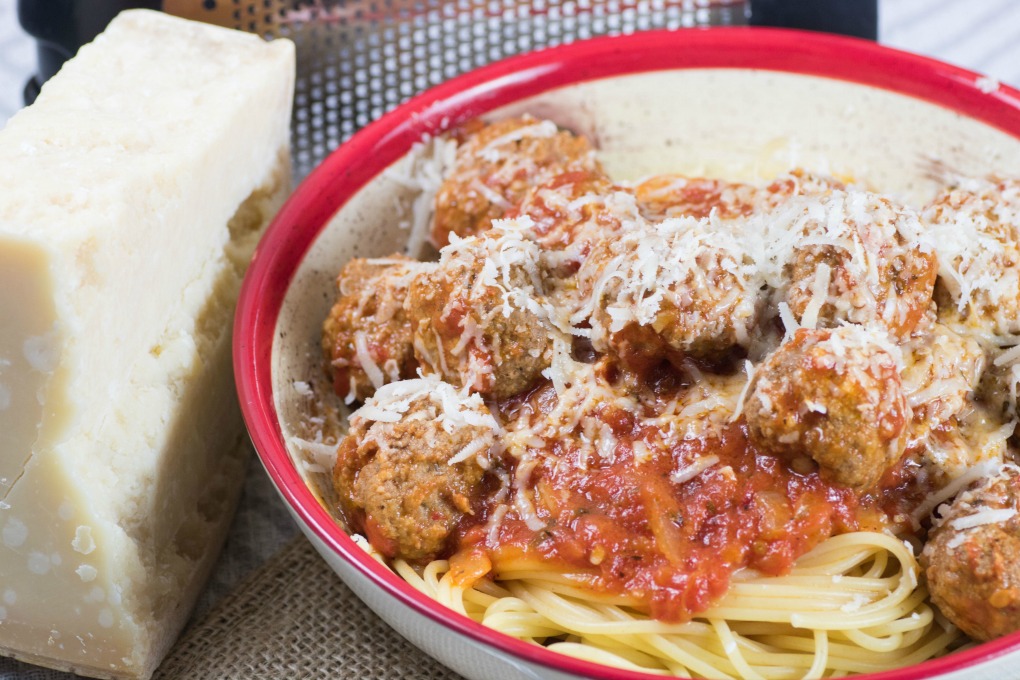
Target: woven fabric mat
[(294, 618)]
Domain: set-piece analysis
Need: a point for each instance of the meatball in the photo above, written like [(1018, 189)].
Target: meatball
[(834, 396), (948, 432), (412, 465), (571, 212), (1000, 385), (680, 288), (795, 183), (972, 558), (858, 258), (665, 196), (976, 229), (496, 164), (478, 317), (942, 371), (367, 336)]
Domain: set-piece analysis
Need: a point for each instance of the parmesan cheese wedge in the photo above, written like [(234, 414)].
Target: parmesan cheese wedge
[(134, 190)]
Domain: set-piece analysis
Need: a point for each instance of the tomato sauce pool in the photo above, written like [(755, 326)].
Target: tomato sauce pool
[(669, 545)]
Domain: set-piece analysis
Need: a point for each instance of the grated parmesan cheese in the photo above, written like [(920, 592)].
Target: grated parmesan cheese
[(364, 358), (789, 322), (855, 604), (749, 372), (542, 129), (1008, 357), (689, 472), (456, 408), (323, 454), (422, 172), (986, 516), (819, 296), (987, 84), (522, 497), (982, 470)]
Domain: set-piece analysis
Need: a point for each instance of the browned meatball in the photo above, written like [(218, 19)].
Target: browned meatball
[(942, 371), (367, 337), (1000, 386), (799, 182), (835, 396), (408, 470), (665, 196), (679, 288), (996, 389), (972, 558), (859, 258), (496, 164), (572, 211), (976, 229), (477, 315)]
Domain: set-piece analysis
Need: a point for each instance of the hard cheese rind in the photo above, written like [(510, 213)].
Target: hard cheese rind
[(134, 190)]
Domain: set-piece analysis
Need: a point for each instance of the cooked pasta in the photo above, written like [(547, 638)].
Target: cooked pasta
[(851, 605)]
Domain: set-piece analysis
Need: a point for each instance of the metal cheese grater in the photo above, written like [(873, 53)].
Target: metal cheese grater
[(359, 58)]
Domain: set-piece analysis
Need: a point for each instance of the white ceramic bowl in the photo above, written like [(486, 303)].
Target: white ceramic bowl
[(737, 103)]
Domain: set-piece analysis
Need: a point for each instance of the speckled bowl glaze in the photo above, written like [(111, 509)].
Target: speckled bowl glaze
[(738, 103)]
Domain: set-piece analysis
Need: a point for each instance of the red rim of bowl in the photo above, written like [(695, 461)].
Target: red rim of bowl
[(375, 147)]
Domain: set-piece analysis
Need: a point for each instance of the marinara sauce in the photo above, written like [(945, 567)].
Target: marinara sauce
[(639, 529)]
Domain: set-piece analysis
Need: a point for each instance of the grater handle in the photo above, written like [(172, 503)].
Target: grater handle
[(60, 27), (850, 17)]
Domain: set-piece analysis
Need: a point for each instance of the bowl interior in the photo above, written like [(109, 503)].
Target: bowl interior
[(729, 113)]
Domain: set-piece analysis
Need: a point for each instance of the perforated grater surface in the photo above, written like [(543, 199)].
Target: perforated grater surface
[(358, 59)]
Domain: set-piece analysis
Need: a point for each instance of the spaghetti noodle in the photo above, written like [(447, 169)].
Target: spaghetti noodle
[(852, 605)]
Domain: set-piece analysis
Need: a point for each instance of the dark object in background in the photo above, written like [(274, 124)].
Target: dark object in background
[(850, 17), (60, 27)]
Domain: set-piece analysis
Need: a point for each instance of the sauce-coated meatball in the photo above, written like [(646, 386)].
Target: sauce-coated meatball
[(858, 258), (679, 288), (1000, 386), (572, 212), (977, 237), (799, 182), (409, 469), (942, 371), (496, 164), (972, 558), (665, 196), (836, 397), (477, 316), (367, 336)]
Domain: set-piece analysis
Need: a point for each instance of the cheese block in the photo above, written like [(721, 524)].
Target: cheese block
[(133, 192)]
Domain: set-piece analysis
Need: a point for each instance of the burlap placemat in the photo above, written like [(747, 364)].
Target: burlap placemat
[(295, 619)]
